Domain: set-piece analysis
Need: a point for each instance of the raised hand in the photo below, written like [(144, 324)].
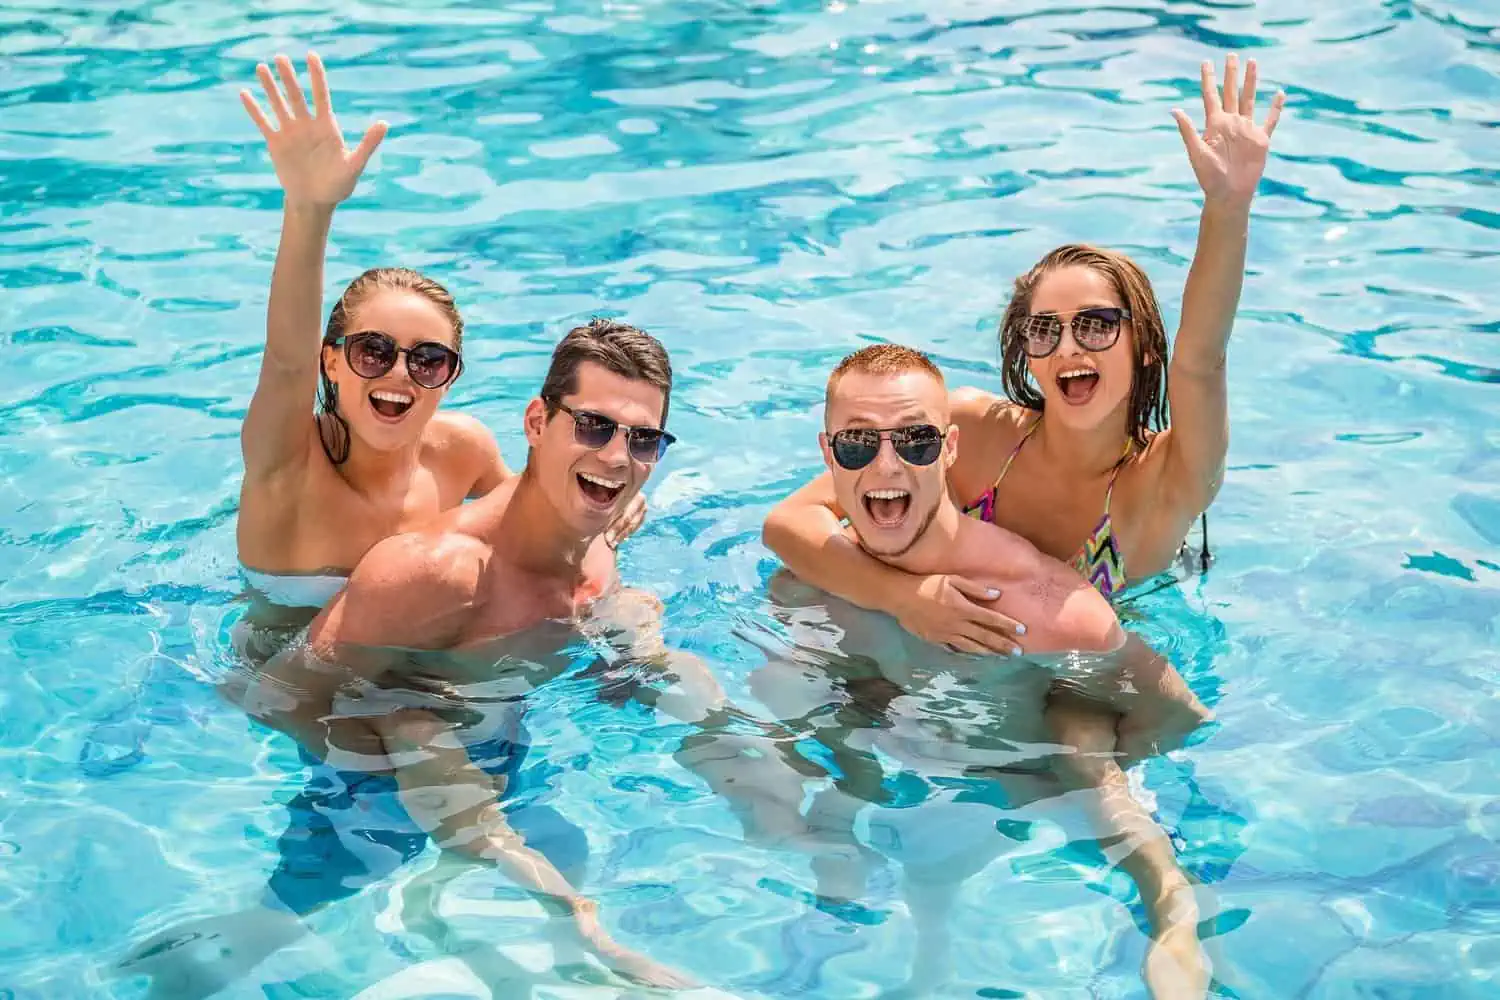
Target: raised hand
[(307, 148), (1230, 156)]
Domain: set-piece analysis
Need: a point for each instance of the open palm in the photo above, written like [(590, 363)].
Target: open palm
[(1230, 156), (312, 163)]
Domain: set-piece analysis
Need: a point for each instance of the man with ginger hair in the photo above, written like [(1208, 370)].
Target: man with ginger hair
[(982, 731)]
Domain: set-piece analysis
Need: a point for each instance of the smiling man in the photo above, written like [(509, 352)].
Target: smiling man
[(888, 446), (976, 730), (420, 669)]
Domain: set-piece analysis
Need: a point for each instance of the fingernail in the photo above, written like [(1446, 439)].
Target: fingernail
[(992, 593), (1020, 630), (1015, 651)]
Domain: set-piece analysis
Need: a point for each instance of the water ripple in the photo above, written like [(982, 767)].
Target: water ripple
[(767, 187)]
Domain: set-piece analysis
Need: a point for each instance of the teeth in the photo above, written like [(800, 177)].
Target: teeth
[(609, 484), (886, 494), (391, 397), (1075, 372)]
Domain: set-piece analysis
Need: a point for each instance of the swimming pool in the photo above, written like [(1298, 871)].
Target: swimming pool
[(765, 187)]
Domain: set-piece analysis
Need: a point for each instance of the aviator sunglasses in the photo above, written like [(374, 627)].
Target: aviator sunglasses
[(856, 447), (594, 430), (371, 354), (1094, 329)]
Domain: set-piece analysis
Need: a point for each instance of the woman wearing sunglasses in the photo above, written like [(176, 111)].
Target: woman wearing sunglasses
[(1079, 458), (378, 458)]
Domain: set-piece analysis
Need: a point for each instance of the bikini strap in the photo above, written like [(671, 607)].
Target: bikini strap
[(1109, 491), (1016, 450)]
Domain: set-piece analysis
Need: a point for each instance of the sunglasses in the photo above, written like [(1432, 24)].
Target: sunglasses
[(371, 354), (1093, 329), (594, 430), (856, 447)]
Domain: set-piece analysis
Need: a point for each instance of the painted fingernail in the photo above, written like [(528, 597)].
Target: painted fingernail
[(992, 593), (1020, 630), (1015, 651)]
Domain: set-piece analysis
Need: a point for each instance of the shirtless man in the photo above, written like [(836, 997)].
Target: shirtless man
[(989, 727), (482, 607)]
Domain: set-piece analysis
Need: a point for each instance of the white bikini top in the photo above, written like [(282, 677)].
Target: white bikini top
[(296, 590)]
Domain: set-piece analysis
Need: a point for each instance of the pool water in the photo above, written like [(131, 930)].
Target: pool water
[(766, 187)]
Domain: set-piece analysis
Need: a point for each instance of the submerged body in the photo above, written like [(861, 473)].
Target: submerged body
[(966, 734)]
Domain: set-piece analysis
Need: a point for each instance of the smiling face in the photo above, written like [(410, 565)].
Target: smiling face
[(1082, 388), (589, 487), (390, 411), (1096, 391), (890, 501)]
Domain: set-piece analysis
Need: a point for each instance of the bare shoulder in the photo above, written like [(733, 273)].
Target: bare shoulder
[(459, 437), (450, 428), (464, 454), (408, 590), (438, 556), (977, 407), (974, 405), (988, 550), (1085, 619), (1067, 612), (988, 428), (1148, 461)]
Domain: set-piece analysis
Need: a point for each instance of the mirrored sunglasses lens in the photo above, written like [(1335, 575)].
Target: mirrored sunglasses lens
[(1040, 335), (920, 447), (371, 356), (430, 365), (646, 445), (854, 452), (1096, 329), (592, 430)]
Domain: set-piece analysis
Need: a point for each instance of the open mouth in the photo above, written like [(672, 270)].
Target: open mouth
[(598, 491), (1077, 385), (887, 508), (390, 404)]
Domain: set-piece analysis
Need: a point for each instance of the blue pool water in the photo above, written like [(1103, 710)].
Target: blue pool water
[(766, 186)]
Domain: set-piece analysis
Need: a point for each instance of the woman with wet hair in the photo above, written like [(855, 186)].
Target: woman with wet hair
[(1079, 457), (379, 457), (376, 459)]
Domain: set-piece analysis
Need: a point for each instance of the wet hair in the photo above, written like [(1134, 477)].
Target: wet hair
[(1148, 387), (361, 288), (614, 346), (882, 359)]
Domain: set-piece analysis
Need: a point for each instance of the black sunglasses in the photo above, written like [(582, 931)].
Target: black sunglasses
[(594, 430), (371, 354), (1094, 330), (856, 447)]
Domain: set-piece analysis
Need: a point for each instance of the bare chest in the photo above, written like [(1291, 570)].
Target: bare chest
[(535, 616), (1055, 515), (329, 525), (1060, 516)]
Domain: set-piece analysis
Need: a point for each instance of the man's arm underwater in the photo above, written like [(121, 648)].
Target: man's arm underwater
[(357, 699), (735, 752)]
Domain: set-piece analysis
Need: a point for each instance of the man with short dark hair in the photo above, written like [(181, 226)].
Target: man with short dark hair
[(484, 605)]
